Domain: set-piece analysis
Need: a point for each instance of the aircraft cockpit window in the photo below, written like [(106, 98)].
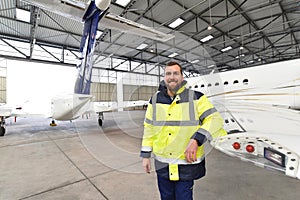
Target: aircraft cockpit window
[(245, 81), (226, 121), (209, 85), (226, 83), (216, 84), (235, 82)]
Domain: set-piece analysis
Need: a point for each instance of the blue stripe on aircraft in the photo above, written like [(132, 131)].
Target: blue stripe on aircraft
[(87, 45)]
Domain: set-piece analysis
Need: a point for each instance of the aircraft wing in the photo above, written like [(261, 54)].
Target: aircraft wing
[(265, 135), (18, 111), (73, 9), (5, 112)]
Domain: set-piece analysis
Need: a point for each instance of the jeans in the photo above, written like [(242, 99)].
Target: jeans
[(175, 190)]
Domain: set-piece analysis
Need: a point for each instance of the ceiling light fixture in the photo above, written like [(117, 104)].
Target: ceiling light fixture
[(123, 3), (242, 55), (195, 61), (172, 55), (176, 23), (226, 48), (142, 46), (207, 38)]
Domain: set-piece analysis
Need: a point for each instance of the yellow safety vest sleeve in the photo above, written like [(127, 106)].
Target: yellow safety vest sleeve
[(211, 121)]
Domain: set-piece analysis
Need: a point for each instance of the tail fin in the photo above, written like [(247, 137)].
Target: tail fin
[(91, 19)]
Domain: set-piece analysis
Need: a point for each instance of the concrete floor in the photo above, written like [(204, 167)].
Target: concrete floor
[(79, 160)]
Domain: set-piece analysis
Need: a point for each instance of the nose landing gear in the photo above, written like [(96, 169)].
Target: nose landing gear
[(2, 126), (100, 118)]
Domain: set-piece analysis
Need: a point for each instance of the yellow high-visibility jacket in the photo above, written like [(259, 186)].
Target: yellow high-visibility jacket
[(171, 123)]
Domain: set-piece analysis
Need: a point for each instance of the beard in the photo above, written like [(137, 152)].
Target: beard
[(173, 86)]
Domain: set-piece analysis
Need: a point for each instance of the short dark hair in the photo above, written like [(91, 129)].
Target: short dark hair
[(171, 63)]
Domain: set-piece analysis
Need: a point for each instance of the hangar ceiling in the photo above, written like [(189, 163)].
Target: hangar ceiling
[(242, 33)]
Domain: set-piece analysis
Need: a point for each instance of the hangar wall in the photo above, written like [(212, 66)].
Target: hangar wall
[(2, 89), (3, 81), (108, 91)]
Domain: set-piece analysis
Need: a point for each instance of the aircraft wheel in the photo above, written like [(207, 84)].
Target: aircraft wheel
[(100, 122), (2, 131), (52, 123)]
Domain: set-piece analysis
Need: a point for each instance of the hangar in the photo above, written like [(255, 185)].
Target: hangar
[(211, 36)]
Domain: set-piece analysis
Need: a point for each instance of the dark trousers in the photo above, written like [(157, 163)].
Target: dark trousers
[(175, 190)]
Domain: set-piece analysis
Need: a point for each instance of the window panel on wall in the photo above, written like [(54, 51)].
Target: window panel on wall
[(6, 49), (103, 92), (120, 64), (2, 89), (133, 93), (130, 92), (103, 76)]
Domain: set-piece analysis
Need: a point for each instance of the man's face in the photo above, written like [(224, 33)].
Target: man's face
[(173, 78)]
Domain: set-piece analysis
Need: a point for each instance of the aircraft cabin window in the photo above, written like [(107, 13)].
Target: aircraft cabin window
[(196, 86), (216, 84), (226, 121), (245, 81), (235, 82), (226, 83), (202, 85), (209, 85), (232, 120)]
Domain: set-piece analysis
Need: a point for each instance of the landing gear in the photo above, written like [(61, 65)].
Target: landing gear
[(2, 126), (2, 131), (100, 118), (53, 123)]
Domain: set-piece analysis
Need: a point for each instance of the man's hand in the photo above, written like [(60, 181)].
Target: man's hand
[(147, 165), (191, 151)]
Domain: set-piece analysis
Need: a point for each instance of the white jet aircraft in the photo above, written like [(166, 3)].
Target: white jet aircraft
[(261, 109)]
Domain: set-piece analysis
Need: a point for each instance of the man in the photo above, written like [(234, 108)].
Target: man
[(178, 122)]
